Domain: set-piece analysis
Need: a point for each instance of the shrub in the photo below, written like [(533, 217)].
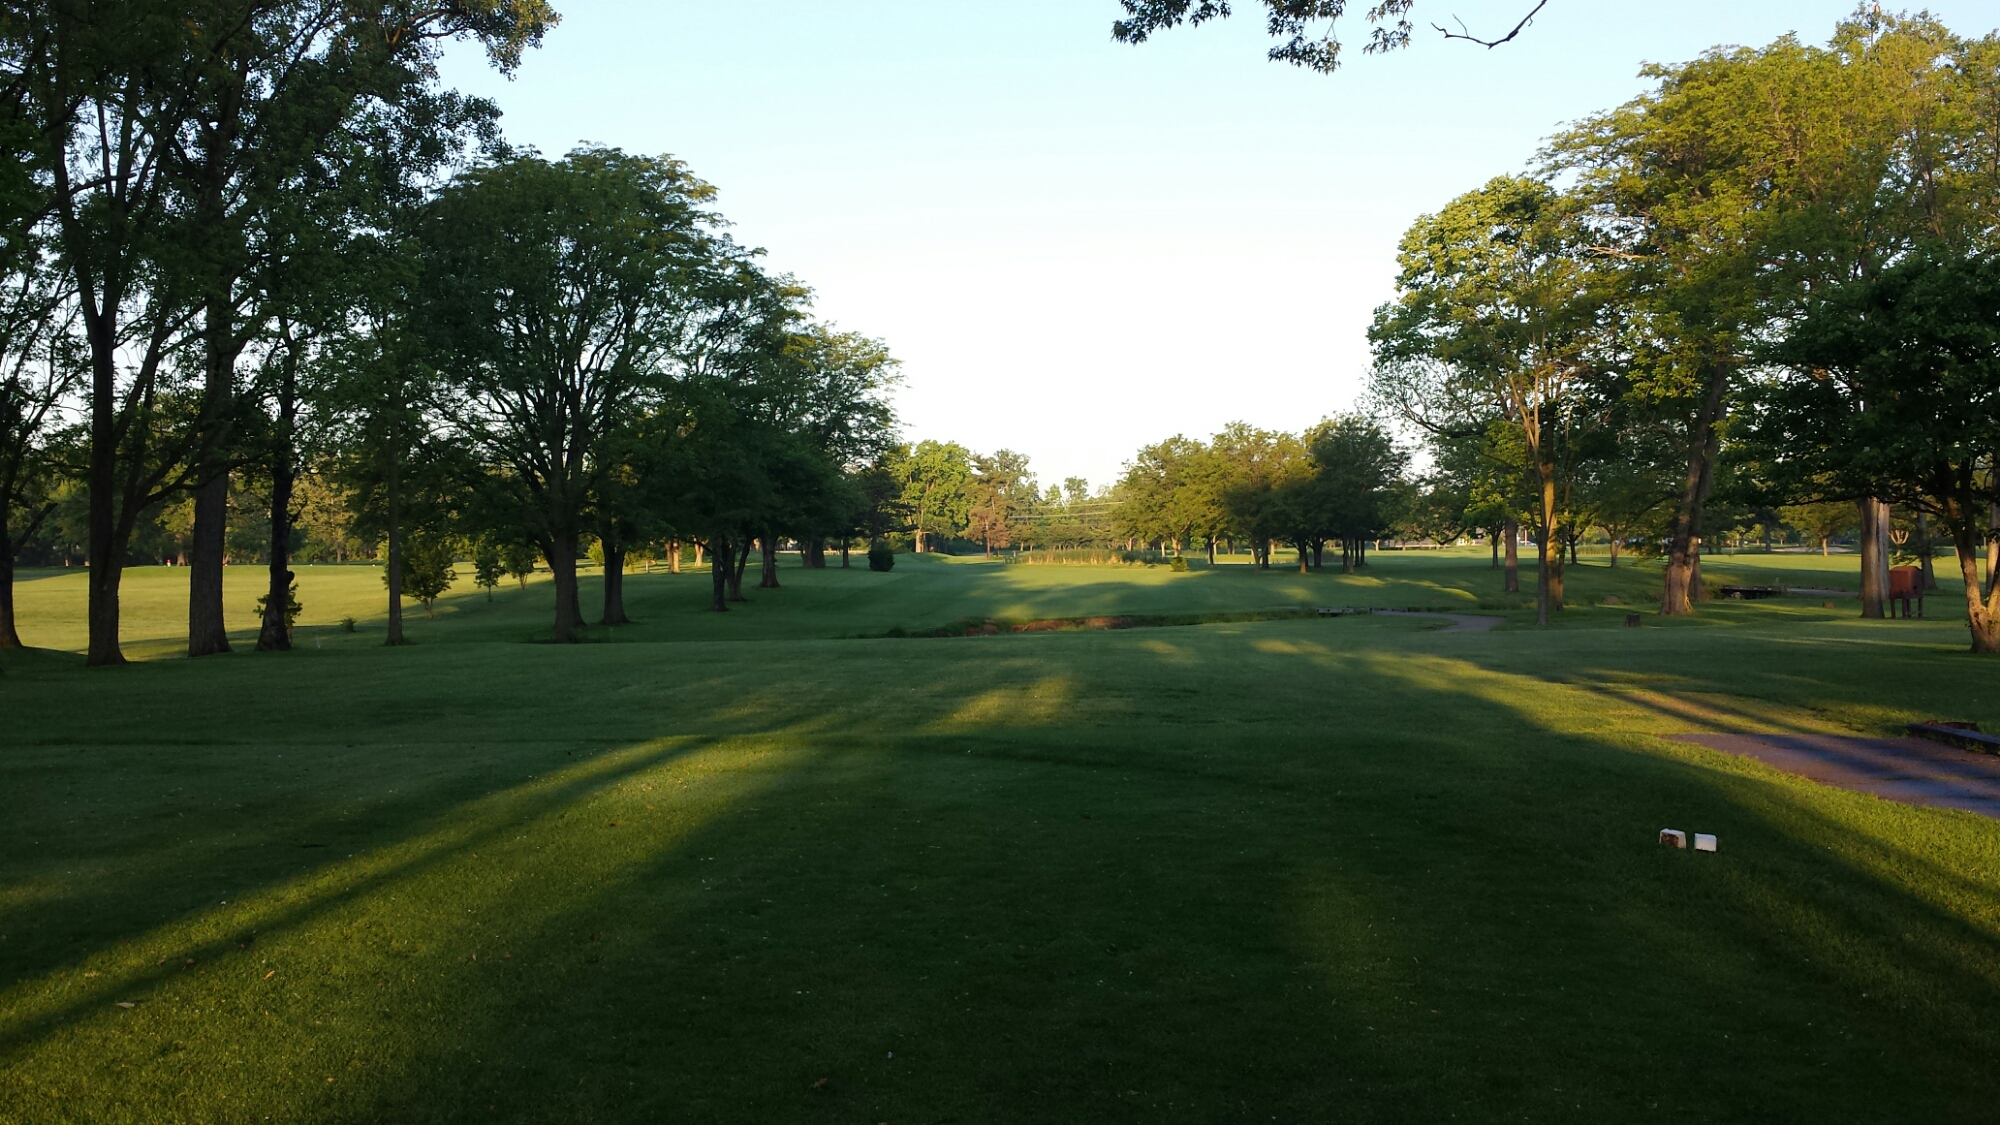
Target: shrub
[(487, 568), (880, 557), (292, 607), (1179, 565)]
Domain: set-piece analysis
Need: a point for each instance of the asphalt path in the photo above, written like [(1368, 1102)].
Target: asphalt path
[(1914, 771)]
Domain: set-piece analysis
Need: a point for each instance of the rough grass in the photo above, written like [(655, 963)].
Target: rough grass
[(1306, 869)]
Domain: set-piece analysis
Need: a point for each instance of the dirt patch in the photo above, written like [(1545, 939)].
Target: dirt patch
[(1061, 624)]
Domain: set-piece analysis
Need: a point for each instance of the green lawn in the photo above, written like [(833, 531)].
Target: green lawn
[(1350, 869)]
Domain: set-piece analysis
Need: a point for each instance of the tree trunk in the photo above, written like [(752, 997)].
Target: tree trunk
[(614, 585), (1926, 549), (697, 553), (1304, 556), (1982, 614), (208, 633), (9, 638), (394, 563), (1704, 440), (1510, 533), (673, 556), (208, 629), (844, 563), (719, 570), (1544, 594), (1361, 554), (274, 634), (740, 548), (1874, 559), (1211, 552), (561, 553), (1992, 548), (768, 580), (1613, 542)]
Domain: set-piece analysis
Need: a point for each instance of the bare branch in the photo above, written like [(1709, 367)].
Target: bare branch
[(1489, 44)]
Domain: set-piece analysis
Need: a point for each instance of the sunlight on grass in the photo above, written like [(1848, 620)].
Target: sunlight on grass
[(384, 953), (1039, 703)]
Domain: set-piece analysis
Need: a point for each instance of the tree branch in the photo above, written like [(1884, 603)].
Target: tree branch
[(1489, 44)]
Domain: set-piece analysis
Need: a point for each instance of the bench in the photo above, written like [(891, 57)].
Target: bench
[(1752, 593)]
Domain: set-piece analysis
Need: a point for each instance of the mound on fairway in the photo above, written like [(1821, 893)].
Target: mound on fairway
[(748, 867)]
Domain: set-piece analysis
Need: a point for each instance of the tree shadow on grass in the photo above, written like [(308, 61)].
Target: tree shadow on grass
[(1392, 876), (1037, 920)]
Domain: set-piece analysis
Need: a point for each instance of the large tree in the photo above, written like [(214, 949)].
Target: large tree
[(557, 290), (937, 483), (1892, 390), (1357, 469), (1744, 182), (37, 375), (1002, 488), (1498, 299)]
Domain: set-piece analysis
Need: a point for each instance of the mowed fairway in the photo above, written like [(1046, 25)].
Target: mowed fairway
[(769, 866)]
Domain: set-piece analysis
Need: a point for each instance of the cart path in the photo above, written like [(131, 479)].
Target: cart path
[(1914, 771), (1460, 622)]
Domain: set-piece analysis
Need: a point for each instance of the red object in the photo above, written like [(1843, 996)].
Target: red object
[(1906, 582)]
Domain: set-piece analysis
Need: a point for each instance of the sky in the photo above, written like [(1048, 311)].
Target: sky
[(1078, 247)]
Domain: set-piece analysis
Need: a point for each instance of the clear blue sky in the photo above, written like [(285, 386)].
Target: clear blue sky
[(1077, 247)]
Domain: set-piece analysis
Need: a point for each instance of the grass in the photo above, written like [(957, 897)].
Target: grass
[(1350, 869)]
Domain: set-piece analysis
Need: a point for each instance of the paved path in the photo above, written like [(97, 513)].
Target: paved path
[(1914, 771), (1460, 622)]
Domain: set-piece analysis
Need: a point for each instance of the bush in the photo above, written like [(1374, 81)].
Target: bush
[(1179, 565), (880, 557), (292, 607)]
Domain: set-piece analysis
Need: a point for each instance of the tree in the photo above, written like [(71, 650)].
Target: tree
[(1892, 389), (1169, 494), (1821, 521), (428, 571), (381, 394), (1746, 181), (520, 562), (1256, 467), (937, 479), (487, 568), (36, 377), (842, 411), (556, 289), (1357, 467), (1498, 297), (1002, 486)]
